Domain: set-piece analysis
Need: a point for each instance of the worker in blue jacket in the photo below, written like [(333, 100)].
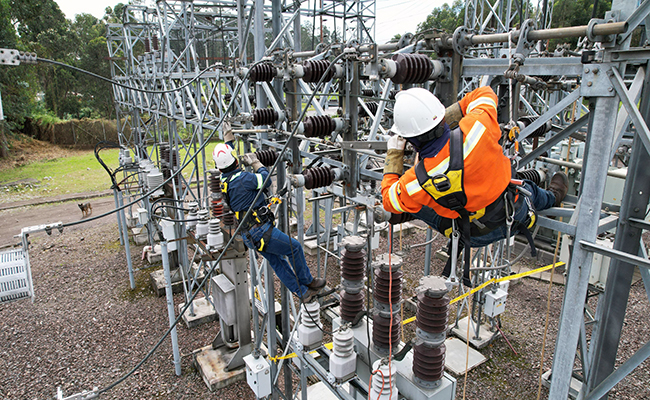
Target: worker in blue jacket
[(259, 231)]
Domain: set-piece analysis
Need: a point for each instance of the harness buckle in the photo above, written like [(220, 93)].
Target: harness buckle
[(441, 182)]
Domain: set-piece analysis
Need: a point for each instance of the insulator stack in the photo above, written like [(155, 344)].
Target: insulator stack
[(368, 92), (431, 320), (154, 41), (412, 68), (343, 358), (252, 98), (314, 70), (532, 175), (202, 227), (310, 333), (147, 45), (263, 73), (267, 157), (372, 106), (383, 382), (353, 267), (215, 237), (387, 295), (318, 177), (264, 116), (541, 131), (319, 126), (192, 215), (216, 197), (228, 217), (392, 94)]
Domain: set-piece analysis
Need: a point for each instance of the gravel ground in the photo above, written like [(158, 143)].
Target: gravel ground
[(86, 328)]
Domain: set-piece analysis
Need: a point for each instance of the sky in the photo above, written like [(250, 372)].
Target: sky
[(392, 17)]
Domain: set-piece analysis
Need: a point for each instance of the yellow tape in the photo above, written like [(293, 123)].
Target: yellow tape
[(292, 355), (495, 280)]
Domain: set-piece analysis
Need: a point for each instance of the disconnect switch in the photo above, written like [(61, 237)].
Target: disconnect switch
[(258, 375), (495, 302)]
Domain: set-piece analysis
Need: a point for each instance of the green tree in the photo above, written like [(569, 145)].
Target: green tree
[(445, 17)]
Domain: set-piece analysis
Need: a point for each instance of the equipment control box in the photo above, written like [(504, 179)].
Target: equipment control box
[(495, 302)]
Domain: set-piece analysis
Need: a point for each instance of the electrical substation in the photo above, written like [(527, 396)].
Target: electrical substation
[(185, 73)]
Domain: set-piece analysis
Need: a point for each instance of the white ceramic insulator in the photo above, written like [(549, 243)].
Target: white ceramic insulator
[(383, 388)]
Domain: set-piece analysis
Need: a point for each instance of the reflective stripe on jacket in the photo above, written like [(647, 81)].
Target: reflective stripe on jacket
[(243, 187), (486, 173)]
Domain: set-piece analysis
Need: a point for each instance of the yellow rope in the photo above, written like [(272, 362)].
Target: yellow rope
[(293, 355), (498, 280)]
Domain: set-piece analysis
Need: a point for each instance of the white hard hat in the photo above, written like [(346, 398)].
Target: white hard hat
[(416, 111), (224, 156)]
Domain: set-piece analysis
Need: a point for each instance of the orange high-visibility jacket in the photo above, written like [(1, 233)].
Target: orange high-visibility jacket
[(487, 170)]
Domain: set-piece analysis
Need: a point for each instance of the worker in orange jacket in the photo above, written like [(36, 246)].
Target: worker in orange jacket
[(481, 181)]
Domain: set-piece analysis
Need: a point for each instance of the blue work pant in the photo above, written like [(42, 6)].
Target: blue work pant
[(540, 198), (279, 246)]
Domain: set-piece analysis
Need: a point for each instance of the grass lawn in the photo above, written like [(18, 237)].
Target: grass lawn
[(71, 173)]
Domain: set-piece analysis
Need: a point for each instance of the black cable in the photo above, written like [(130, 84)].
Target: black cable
[(234, 234), (123, 85)]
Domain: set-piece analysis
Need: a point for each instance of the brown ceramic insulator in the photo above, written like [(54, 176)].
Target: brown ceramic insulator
[(432, 314), (164, 152), (319, 126), (382, 335), (264, 116), (372, 106), (392, 94), (428, 362), (227, 97), (217, 208), (314, 70), (262, 73), (383, 284), (368, 92), (318, 177), (351, 305), (147, 45), (353, 265), (155, 43), (412, 68), (267, 157), (215, 182), (541, 131), (228, 217)]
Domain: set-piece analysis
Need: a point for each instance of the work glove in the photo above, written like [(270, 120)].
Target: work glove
[(453, 115), (396, 142), (395, 155), (228, 136), (250, 159)]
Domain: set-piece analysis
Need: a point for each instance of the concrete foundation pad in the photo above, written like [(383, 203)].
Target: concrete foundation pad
[(458, 357), (203, 313), (211, 365), (157, 279), (485, 335), (406, 229), (574, 386), (140, 236), (310, 247)]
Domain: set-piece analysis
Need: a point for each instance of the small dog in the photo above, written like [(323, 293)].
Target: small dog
[(86, 209)]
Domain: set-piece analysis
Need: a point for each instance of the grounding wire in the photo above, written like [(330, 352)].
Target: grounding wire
[(111, 81), (233, 236)]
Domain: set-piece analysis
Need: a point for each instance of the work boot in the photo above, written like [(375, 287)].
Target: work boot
[(559, 186), (310, 295), (317, 283)]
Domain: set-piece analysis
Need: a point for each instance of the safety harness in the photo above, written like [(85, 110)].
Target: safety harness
[(448, 191), (257, 217)]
